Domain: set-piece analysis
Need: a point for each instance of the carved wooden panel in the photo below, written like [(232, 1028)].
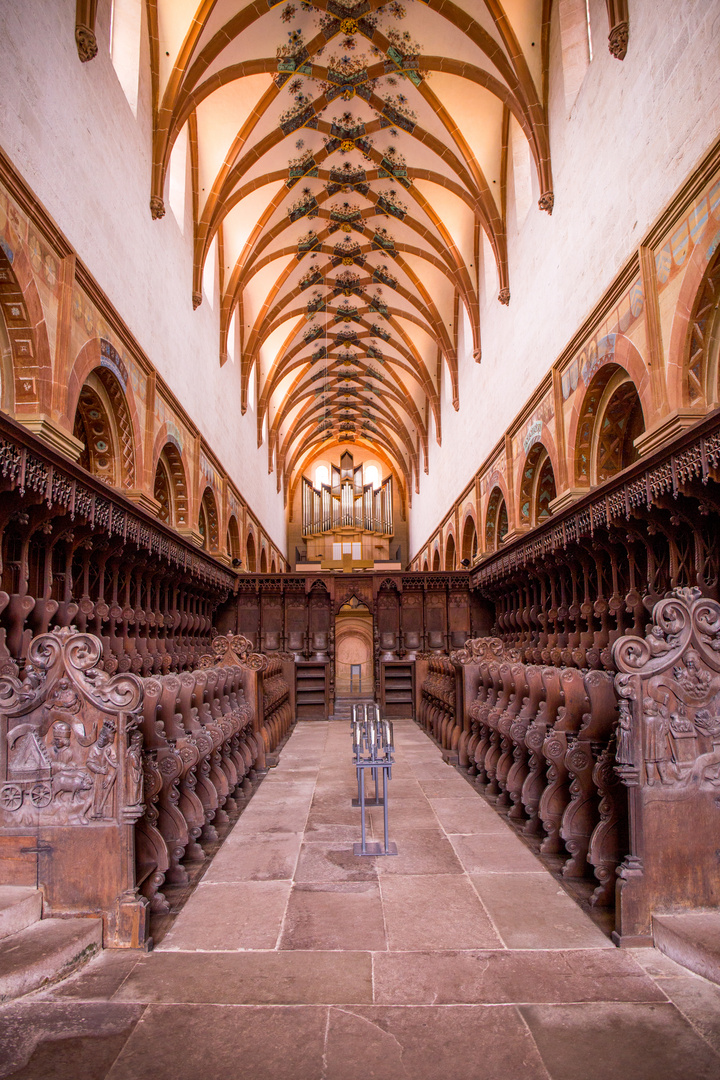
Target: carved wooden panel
[(668, 756)]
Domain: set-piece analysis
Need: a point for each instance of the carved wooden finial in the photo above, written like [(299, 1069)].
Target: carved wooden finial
[(484, 648), (232, 649)]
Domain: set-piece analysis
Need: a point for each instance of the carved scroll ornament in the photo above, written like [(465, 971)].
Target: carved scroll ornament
[(669, 690), (232, 649), (69, 750), (477, 650)]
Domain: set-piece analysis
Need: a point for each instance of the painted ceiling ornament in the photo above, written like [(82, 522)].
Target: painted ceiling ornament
[(371, 77)]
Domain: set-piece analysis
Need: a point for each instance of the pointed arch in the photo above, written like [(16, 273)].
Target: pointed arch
[(170, 486), (208, 521)]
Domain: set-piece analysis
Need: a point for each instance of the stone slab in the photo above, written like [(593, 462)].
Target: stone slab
[(252, 978), (241, 915)]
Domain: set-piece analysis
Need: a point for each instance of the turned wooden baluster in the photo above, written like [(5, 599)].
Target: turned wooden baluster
[(492, 757), (214, 729), (468, 735), (151, 853), (229, 726), (538, 730), (518, 770), (609, 841), (582, 814), (504, 724), (190, 803), (491, 676), (557, 795), (171, 822), (534, 736)]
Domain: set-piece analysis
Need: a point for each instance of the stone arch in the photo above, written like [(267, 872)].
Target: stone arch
[(701, 347), (450, 553), (496, 519), (29, 385), (611, 417), (263, 560), (7, 380), (436, 558), (537, 486), (469, 538), (208, 520), (353, 646), (170, 487), (425, 565), (98, 362), (102, 424), (273, 566), (233, 540), (250, 557), (702, 265)]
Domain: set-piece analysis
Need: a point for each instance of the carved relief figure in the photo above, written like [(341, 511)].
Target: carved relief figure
[(61, 755), (657, 752), (134, 771), (675, 677), (102, 763), (624, 754), (66, 723)]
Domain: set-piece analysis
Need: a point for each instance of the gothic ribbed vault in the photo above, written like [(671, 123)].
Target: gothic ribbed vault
[(345, 157)]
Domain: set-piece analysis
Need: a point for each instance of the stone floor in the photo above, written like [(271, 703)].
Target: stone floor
[(462, 958)]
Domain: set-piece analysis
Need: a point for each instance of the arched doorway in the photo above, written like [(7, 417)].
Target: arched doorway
[(354, 677)]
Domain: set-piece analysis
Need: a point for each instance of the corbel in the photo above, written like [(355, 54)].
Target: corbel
[(619, 27), (85, 39)]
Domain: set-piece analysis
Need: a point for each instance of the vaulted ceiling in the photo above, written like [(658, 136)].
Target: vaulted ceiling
[(345, 156)]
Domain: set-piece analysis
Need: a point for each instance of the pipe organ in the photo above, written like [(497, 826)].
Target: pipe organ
[(347, 503)]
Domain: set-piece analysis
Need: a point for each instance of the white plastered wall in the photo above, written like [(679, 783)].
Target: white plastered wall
[(71, 132), (635, 131)]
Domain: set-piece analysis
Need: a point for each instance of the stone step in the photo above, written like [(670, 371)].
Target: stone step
[(691, 939), (46, 952), (343, 706), (20, 907)]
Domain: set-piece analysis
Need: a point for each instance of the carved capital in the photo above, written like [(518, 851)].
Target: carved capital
[(547, 201), (157, 207), (504, 296), (196, 300), (86, 42), (618, 40)]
